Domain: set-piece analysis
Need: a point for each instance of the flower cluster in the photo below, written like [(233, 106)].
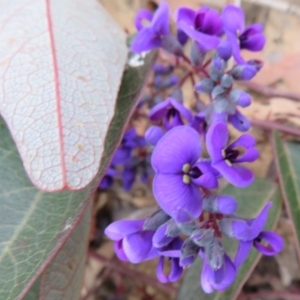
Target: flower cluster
[(190, 148)]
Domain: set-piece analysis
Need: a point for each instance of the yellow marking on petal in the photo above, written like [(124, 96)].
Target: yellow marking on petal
[(186, 168), (228, 162), (186, 179)]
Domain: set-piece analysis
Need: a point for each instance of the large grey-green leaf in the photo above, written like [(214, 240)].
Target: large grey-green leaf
[(288, 166), (35, 224), (251, 200)]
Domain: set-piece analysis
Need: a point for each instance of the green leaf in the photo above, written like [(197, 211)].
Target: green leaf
[(34, 224), (288, 166), (250, 200)]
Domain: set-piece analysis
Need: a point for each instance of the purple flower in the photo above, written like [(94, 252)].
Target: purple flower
[(171, 112), (108, 178), (178, 172), (218, 279), (132, 242), (203, 26), (150, 36), (176, 270), (250, 38), (225, 159), (245, 230)]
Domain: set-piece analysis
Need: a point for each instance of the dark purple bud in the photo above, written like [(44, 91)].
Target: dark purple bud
[(214, 253), (182, 37), (224, 50), (197, 55), (171, 45), (153, 135), (177, 95), (219, 204), (239, 121), (156, 220), (206, 85), (165, 82), (158, 82), (240, 98), (189, 253), (172, 229), (246, 71), (203, 236), (217, 68), (226, 81), (160, 69)]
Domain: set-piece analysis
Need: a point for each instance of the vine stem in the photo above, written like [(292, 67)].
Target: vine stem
[(120, 268), (271, 125), (268, 91)]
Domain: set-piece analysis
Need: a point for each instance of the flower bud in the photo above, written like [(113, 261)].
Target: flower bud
[(240, 98), (221, 105), (235, 228), (153, 135), (239, 121), (197, 56), (156, 219), (226, 81), (189, 253), (219, 204), (203, 236), (160, 69), (246, 71), (171, 45), (224, 50), (177, 95), (218, 92), (206, 85), (217, 68), (172, 229), (214, 253)]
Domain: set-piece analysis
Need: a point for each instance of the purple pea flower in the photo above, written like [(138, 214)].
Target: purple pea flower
[(131, 241), (178, 172), (171, 112), (203, 26), (218, 279), (250, 38), (108, 179), (225, 159), (150, 36), (176, 270)]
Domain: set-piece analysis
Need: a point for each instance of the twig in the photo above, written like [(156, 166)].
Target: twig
[(271, 125), (270, 295), (118, 267), (268, 91)]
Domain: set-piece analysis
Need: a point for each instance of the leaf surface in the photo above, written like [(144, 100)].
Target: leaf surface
[(250, 200), (35, 224), (62, 280), (61, 63), (288, 166)]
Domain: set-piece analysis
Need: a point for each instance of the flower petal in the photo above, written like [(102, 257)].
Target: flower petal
[(172, 193), (242, 253), (119, 229), (206, 285), (207, 180), (273, 239), (250, 155), (216, 140), (186, 113), (137, 246), (145, 40), (179, 146), (160, 21), (233, 18), (212, 23), (143, 14), (229, 276), (237, 175), (160, 110), (160, 237), (206, 42), (185, 14), (239, 121), (245, 140), (118, 248), (254, 43)]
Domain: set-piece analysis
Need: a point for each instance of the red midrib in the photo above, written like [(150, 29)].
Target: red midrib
[(57, 91)]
